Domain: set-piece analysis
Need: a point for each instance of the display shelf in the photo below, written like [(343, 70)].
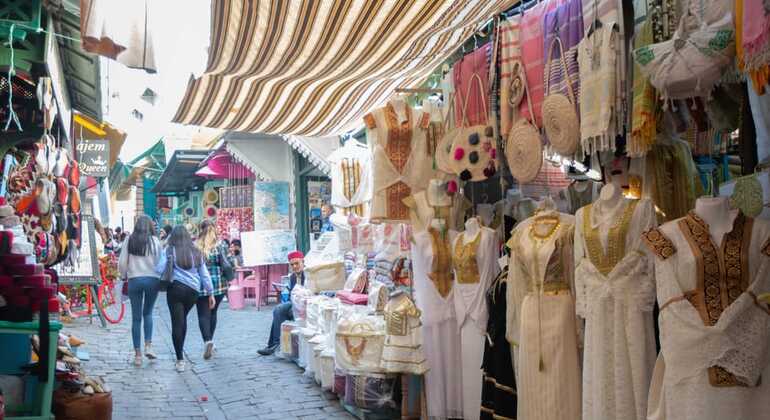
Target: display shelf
[(42, 400)]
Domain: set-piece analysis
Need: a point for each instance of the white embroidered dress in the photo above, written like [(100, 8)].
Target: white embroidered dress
[(615, 295), (541, 320), (715, 334)]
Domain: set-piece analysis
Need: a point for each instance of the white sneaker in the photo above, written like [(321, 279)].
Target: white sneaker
[(209, 350), (179, 365), (149, 353)]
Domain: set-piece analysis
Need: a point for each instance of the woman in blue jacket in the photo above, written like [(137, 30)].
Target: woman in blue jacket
[(189, 277)]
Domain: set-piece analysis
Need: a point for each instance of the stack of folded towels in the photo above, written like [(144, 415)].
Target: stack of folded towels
[(25, 286)]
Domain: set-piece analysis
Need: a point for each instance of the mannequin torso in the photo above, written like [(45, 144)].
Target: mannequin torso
[(717, 214), (471, 230)]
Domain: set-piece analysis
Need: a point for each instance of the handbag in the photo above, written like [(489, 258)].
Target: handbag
[(168, 272), (524, 147), (472, 151), (694, 59), (228, 274), (560, 120)]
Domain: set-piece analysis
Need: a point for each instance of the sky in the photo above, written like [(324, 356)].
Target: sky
[(180, 42)]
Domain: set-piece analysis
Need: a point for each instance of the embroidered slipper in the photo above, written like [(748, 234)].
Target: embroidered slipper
[(62, 191), (74, 175), (74, 199), (62, 160)]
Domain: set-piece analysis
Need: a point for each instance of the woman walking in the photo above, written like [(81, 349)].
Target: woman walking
[(188, 278), (138, 259), (219, 269)]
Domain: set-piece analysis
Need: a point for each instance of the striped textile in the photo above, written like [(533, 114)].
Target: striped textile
[(566, 21), (531, 41), (316, 67), (468, 88), (609, 12), (510, 51)]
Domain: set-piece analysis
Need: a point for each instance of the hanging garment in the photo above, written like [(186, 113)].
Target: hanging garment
[(396, 137), (475, 63), (597, 56), (402, 352), (541, 319), (475, 266), (434, 295), (645, 101), (752, 23), (714, 360), (351, 178), (671, 178), (509, 57), (498, 395), (232, 221), (120, 30), (532, 54), (610, 12), (760, 111), (615, 295)]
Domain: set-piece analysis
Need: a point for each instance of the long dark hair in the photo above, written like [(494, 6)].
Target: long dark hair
[(142, 242), (186, 253)]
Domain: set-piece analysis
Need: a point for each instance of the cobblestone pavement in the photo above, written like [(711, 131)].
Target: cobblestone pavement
[(237, 383)]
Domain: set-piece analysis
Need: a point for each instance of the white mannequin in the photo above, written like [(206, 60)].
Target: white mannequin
[(471, 230), (438, 224), (715, 211), (399, 105)]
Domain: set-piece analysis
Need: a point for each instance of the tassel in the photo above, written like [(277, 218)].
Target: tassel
[(541, 366)]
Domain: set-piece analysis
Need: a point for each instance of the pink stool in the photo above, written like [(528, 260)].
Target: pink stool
[(236, 297)]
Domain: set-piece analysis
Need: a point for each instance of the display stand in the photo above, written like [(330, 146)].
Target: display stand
[(45, 381)]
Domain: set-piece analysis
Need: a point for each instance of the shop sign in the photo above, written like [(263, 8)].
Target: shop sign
[(94, 157)]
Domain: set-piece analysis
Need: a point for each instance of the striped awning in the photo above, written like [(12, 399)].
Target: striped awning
[(314, 67)]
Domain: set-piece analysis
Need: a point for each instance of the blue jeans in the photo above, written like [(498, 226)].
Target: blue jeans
[(281, 313), (143, 291)]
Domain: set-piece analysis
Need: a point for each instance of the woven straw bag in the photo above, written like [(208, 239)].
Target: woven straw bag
[(472, 148), (560, 120), (524, 147)]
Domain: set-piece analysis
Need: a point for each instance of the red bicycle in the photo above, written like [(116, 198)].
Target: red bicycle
[(109, 301)]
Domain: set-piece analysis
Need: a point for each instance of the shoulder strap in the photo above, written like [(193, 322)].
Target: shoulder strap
[(563, 61), (658, 243)]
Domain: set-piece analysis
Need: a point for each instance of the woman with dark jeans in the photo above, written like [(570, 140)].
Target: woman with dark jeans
[(216, 262), (138, 258), (189, 277)]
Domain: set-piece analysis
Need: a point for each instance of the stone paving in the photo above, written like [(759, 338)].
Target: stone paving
[(237, 383)]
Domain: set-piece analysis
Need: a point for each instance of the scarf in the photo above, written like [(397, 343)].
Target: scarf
[(510, 51), (645, 103), (598, 71), (566, 22), (752, 39), (476, 62), (532, 54)]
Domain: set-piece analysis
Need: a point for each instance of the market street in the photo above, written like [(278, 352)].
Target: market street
[(237, 383)]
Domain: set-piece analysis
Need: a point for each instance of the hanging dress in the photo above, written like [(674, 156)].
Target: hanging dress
[(403, 352), (434, 296), (475, 266), (400, 164), (498, 392), (541, 320), (615, 295), (714, 362)]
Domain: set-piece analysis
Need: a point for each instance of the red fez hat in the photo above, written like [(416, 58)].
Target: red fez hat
[(296, 254)]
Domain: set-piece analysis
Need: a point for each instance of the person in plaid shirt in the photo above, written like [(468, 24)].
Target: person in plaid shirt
[(221, 273)]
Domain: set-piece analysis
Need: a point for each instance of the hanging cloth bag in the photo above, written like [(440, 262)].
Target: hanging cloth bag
[(524, 147), (560, 120), (694, 59), (472, 151)]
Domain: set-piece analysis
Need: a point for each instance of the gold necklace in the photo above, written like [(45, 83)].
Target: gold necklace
[(548, 219)]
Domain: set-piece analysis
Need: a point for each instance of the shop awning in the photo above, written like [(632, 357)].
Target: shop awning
[(151, 164), (179, 175), (315, 149), (315, 68), (220, 165), (254, 153)]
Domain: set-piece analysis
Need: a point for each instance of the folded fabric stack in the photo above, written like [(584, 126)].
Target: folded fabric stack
[(25, 287)]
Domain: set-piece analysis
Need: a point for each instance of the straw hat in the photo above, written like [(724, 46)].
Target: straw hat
[(473, 151)]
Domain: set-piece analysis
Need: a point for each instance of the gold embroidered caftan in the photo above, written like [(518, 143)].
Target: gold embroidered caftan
[(715, 332), (541, 320), (615, 295)]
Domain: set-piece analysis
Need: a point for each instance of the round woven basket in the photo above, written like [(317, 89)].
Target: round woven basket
[(524, 151), (561, 124)]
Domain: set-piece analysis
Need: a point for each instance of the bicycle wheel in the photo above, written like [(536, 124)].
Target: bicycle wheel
[(110, 305)]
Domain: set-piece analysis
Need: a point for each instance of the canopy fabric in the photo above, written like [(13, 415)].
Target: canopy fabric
[(152, 163), (220, 165), (316, 67), (315, 149)]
